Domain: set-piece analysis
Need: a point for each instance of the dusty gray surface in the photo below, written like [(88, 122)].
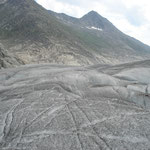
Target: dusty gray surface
[(50, 107)]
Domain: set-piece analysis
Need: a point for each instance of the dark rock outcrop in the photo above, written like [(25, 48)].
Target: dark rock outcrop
[(7, 60)]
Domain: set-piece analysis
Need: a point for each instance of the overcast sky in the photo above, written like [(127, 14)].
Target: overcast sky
[(130, 16)]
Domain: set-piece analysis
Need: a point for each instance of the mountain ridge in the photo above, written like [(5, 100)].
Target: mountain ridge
[(108, 24), (36, 35)]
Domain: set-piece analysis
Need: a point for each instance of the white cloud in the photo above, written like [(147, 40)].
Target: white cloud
[(61, 7), (130, 16)]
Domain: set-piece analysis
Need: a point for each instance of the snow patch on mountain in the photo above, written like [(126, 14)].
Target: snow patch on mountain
[(94, 28)]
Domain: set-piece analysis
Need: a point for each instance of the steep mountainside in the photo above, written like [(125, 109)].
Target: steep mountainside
[(35, 35), (102, 29)]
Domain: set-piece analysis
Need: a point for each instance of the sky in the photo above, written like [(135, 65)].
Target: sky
[(130, 16)]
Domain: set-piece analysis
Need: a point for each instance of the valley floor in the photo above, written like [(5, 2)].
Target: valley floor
[(53, 107)]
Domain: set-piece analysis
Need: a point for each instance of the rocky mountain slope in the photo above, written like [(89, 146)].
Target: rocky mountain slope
[(109, 38), (7, 60), (80, 108), (35, 35)]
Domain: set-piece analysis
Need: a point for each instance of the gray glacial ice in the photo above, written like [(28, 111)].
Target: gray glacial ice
[(54, 107)]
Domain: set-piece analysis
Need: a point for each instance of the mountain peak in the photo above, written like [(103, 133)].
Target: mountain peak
[(94, 19), (92, 13)]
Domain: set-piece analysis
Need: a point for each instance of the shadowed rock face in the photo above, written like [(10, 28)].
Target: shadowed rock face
[(8, 60), (51, 107)]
